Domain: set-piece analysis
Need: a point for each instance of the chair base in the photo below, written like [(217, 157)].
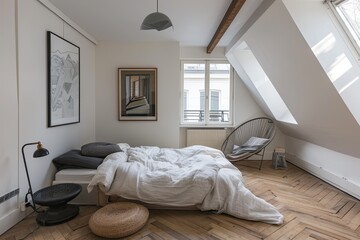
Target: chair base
[(261, 153), (238, 163), (57, 214)]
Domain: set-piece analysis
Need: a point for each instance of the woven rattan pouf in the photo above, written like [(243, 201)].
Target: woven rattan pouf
[(117, 220)]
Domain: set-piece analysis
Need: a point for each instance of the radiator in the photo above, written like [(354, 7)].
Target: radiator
[(207, 137)]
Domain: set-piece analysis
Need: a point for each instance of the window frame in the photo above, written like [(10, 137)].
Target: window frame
[(355, 45), (207, 122), (185, 94)]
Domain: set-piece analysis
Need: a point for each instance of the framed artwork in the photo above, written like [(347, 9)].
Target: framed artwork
[(63, 81), (137, 94)]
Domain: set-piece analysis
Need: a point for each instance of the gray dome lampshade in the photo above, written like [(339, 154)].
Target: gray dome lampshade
[(156, 20)]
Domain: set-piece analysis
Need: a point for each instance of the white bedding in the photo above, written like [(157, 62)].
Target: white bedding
[(195, 175)]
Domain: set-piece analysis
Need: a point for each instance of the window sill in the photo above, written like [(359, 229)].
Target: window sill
[(206, 126)]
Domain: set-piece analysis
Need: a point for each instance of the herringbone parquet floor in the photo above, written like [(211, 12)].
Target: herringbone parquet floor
[(312, 209)]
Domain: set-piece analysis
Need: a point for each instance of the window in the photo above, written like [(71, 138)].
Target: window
[(207, 89), (263, 85), (348, 13)]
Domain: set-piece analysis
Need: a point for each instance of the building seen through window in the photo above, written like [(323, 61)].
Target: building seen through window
[(206, 92)]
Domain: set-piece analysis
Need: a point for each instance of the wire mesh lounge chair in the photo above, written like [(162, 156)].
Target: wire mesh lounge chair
[(248, 139)]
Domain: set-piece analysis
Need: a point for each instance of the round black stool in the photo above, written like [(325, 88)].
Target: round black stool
[(56, 197)]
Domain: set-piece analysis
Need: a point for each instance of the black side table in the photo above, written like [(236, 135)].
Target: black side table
[(56, 197)]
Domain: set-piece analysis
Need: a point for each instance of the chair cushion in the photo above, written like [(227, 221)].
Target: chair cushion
[(253, 144), (118, 220)]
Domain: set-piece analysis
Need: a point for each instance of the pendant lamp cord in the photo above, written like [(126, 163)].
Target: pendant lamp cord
[(157, 5)]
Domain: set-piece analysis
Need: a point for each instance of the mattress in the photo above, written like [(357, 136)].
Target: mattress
[(76, 175), (81, 177)]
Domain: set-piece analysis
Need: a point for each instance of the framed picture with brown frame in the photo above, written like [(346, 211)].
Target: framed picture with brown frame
[(137, 89)]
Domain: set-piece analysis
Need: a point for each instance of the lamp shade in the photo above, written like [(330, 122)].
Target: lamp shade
[(40, 151), (156, 20)]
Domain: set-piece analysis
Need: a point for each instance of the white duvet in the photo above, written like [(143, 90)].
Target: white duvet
[(195, 175)]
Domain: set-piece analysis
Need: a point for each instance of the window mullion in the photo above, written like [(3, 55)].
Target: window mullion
[(182, 109), (207, 91), (336, 2), (232, 100)]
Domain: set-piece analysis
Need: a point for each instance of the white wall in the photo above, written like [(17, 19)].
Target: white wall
[(33, 20), (323, 35), (302, 83), (327, 134), (9, 114), (331, 46), (165, 132), (199, 53), (165, 57), (338, 169)]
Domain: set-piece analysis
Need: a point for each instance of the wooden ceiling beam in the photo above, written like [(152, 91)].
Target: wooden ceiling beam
[(229, 16)]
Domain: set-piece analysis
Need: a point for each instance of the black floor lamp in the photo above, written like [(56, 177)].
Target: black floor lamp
[(54, 197), (39, 152)]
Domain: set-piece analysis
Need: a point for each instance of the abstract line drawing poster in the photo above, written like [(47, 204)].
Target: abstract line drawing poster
[(63, 81)]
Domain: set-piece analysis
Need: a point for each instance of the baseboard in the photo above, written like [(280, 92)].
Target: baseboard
[(336, 181), (12, 218)]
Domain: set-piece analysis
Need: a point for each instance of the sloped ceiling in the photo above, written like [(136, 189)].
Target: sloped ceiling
[(280, 48)]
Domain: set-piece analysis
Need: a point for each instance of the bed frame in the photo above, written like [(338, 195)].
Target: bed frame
[(104, 199)]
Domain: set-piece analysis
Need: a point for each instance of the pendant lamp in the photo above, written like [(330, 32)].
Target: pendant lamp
[(156, 20)]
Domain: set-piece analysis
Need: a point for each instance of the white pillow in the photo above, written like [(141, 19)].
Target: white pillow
[(124, 146)]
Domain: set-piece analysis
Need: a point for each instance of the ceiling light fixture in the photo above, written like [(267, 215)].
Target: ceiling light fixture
[(156, 20)]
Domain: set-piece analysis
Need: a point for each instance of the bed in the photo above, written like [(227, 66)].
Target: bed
[(81, 176), (193, 176)]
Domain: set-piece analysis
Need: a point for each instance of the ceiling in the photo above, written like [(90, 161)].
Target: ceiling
[(195, 21)]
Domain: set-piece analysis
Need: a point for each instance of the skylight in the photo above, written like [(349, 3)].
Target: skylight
[(263, 85), (349, 12)]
